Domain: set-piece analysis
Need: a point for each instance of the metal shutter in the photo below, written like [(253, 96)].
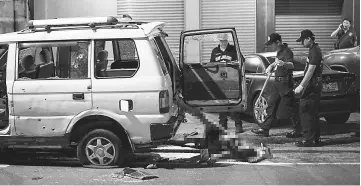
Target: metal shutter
[(320, 16), (169, 11), (231, 13)]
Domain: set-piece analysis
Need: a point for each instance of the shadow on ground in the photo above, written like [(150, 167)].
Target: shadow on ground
[(61, 159), (183, 163)]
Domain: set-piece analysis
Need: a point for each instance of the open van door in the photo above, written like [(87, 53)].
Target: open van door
[(212, 70)]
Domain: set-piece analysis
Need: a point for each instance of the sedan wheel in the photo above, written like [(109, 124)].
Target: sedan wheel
[(100, 148), (259, 109)]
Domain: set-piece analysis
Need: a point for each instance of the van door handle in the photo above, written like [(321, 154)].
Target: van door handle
[(78, 96)]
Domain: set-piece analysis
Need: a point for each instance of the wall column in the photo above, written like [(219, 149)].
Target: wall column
[(192, 21), (192, 14), (265, 22)]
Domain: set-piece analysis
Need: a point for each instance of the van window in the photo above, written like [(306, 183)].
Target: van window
[(160, 57), (3, 60), (53, 60), (115, 58), (3, 54)]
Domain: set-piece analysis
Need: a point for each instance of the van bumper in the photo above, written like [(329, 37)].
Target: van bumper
[(164, 131)]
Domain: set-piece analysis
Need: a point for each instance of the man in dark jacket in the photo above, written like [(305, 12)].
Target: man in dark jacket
[(225, 52), (280, 93)]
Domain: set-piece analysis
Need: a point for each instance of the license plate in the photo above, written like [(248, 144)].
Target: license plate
[(330, 87)]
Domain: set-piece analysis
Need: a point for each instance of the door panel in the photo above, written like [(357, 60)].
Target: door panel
[(45, 107), (218, 79), (47, 97), (211, 82)]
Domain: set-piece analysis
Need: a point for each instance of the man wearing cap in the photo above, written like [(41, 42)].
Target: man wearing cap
[(225, 52), (280, 92), (310, 89)]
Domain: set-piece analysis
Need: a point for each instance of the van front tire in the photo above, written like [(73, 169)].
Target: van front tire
[(100, 148)]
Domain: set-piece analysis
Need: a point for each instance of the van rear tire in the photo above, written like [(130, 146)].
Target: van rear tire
[(101, 148)]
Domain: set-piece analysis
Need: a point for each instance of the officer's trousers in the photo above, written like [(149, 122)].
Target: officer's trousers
[(223, 119), (281, 103), (308, 111)]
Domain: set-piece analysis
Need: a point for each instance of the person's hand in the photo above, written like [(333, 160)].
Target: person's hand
[(340, 26), (298, 89), (280, 62), (269, 70)]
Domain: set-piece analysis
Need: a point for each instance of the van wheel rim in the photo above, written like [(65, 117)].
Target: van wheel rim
[(259, 110), (100, 151)]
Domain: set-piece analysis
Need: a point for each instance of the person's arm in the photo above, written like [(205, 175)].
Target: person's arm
[(355, 39), (289, 61), (335, 33), (314, 60), (270, 68), (308, 75), (355, 43), (213, 56)]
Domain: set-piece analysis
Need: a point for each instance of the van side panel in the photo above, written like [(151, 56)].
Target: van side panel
[(142, 89)]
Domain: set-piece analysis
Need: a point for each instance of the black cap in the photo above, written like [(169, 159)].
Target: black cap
[(305, 34), (274, 37)]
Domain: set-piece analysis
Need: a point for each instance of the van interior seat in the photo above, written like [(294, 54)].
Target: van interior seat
[(46, 70), (122, 64)]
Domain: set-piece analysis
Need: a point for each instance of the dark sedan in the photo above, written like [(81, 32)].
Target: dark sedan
[(345, 60), (338, 95)]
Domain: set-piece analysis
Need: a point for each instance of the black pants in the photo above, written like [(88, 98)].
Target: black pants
[(308, 110), (223, 119), (281, 103)]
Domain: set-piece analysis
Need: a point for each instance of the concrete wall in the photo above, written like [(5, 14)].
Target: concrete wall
[(13, 15), (48, 9)]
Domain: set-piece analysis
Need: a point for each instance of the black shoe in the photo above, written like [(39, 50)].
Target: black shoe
[(304, 143), (294, 134), (239, 129), (261, 132)]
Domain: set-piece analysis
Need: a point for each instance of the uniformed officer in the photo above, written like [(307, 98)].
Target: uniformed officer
[(310, 89), (225, 52), (280, 92), (345, 34)]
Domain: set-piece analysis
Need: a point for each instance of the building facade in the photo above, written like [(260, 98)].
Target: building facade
[(253, 19), (14, 15)]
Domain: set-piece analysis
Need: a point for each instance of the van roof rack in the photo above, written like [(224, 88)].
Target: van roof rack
[(91, 22)]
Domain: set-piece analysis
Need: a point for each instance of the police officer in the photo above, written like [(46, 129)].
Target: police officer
[(310, 89), (280, 92), (225, 52), (345, 34)]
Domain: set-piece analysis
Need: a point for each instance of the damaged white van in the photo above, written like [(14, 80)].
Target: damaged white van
[(106, 86)]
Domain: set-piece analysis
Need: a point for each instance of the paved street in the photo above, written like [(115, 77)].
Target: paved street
[(337, 162)]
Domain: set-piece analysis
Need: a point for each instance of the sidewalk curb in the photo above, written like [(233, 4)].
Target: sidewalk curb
[(279, 150)]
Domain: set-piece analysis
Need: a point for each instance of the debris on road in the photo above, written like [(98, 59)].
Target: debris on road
[(190, 134), (119, 174), (37, 178), (137, 174), (151, 166)]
